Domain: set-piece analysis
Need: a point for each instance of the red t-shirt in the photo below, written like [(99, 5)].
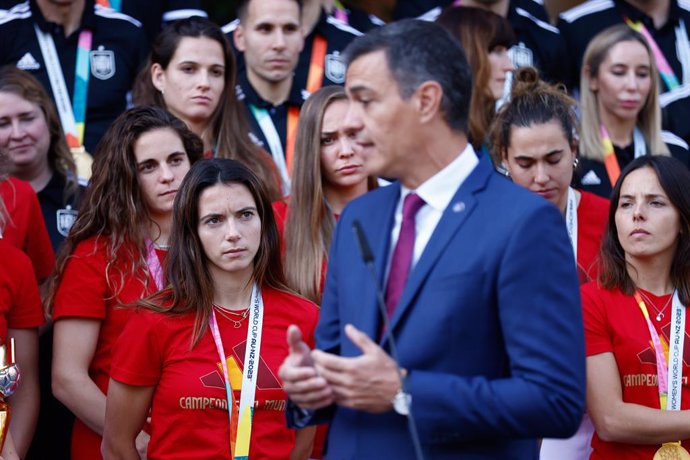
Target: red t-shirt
[(189, 418), (20, 302), (592, 217), (614, 323), (84, 292), (26, 229)]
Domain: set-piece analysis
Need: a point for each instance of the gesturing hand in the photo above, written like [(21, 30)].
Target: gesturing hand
[(367, 382), (301, 382)]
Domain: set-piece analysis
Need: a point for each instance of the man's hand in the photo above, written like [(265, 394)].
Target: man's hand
[(300, 380), (368, 382)]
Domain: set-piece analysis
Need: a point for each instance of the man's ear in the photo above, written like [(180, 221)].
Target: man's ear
[(238, 38), (428, 97)]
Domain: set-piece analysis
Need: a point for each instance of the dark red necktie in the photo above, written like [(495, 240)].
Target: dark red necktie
[(402, 255)]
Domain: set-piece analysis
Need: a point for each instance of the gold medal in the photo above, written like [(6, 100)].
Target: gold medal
[(671, 451)]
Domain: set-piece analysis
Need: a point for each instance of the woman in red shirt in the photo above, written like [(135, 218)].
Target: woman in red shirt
[(327, 174), (203, 355), (635, 325), (113, 256), (534, 139)]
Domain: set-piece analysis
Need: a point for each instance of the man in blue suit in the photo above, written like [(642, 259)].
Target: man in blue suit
[(487, 320)]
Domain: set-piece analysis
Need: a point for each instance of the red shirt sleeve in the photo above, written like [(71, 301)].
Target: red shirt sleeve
[(27, 230), (83, 288), (597, 334), (137, 356), (24, 308)]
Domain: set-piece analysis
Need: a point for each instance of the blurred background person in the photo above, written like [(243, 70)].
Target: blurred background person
[(191, 73), (485, 38), (114, 256), (634, 316), (99, 52), (193, 341), (621, 117)]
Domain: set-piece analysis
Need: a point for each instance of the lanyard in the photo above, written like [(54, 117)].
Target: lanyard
[(662, 64), (613, 169), (274, 144), (571, 219), (72, 115), (669, 392), (154, 265), (241, 421), (340, 12)]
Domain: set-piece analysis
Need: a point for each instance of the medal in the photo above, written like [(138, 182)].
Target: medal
[(671, 451)]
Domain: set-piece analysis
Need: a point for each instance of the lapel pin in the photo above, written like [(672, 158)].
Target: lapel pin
[(459, 206)]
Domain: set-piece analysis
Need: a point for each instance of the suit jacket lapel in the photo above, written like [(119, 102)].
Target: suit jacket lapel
[(377, 229), (455, 215)]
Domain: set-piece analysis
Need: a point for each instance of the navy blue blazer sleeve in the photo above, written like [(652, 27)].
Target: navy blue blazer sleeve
[(538, 305)]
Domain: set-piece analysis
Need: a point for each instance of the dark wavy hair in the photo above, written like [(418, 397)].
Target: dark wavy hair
[(112, 207), (190, 283), (674, 178)]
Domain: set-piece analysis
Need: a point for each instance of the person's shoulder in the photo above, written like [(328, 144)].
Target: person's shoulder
[(587, 10), (674, 140), (20, 187), (18, 14), (115, 18), (684, 7), (522, 12), (14, 258), (335, 26), (295, 301), (592, 200)]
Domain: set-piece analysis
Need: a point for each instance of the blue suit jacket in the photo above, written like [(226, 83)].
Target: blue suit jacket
[(489, 326)]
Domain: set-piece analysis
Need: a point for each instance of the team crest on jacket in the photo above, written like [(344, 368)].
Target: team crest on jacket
[(335, 68), (521, 56), (65, 219), (102, 63)]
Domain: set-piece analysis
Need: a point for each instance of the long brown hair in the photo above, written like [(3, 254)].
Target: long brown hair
[(674, 178), (112, 207), (310, 222), (478, 31), (191, 286), (23, 84), (228, 122)]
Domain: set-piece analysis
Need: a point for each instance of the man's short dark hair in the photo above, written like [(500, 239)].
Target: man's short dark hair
[(243, 7), (418, 51)]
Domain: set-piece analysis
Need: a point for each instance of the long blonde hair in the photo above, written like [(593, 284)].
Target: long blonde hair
[(310, 223), (649, 118)]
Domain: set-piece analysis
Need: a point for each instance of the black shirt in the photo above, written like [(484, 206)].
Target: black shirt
[(591, 175), (580, 24), (278, 114), (59, 211), (153, 14), (118, 41)]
